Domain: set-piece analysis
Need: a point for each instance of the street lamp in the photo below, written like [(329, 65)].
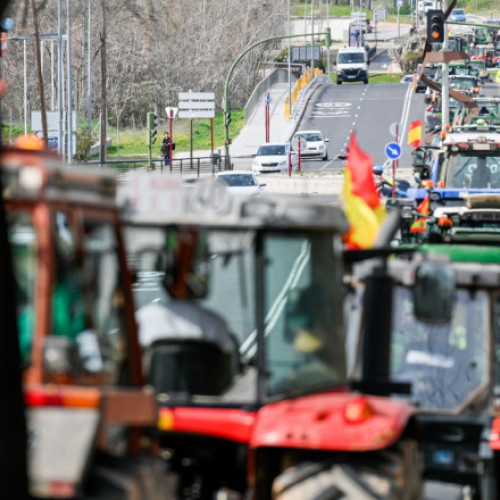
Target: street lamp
[(312, 36), (289, 60)]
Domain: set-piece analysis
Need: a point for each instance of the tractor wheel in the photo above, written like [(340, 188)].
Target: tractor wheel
[(120, 478), (393, 474)]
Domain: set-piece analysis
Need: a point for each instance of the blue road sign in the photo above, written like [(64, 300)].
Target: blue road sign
[(268, 99), (393, 150)]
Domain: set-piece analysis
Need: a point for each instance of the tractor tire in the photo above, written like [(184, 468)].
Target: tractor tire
[(114, 478), (392, 474)]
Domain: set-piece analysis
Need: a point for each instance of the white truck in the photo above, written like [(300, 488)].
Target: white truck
[(424, 5)]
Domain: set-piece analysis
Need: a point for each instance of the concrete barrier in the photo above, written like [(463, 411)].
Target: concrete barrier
[(302, 184)]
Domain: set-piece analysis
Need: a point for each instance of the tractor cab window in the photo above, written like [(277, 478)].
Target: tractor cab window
[(304, 347), (103, 347), (24, 246), (87, 305), (445, 363)]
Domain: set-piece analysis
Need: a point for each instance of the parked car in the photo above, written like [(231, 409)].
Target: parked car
[(458, 15), (312, 144), (274, 157), (241, 182)]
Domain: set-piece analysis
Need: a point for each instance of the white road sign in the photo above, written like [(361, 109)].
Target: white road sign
[(196, 96), (172, 111), (196, 104)]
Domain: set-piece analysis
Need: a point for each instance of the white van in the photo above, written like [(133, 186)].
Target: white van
[(352, 65), (424, 5)]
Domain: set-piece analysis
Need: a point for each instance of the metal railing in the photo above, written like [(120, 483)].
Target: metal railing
[(183, 166)]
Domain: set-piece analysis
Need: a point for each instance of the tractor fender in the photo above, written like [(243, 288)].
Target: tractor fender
[(323, 422)]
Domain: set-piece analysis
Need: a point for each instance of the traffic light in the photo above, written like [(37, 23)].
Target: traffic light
[(227, 118), (328, 37), (152, 123), (435, 26)]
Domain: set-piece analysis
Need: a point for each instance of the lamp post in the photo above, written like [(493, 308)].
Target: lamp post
[(328, 48), (289, 60), (70, 83), (89, 72), (312, 36), (60, 126)]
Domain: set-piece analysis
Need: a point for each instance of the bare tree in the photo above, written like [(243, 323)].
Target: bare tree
[(149, 50)]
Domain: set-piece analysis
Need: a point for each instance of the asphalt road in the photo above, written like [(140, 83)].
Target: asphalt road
[(369, 110)]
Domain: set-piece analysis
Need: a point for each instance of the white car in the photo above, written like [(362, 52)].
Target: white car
[(312, 144), (240, 182), (273, 157)]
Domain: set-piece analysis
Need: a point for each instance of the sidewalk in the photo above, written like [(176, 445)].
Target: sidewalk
[(253, 134)]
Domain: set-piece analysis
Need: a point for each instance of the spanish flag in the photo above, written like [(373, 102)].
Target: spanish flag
[(415, 133), (424, 207), (361, 201), (419, 225)]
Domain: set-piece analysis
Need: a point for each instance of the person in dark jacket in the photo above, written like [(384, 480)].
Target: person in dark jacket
[(481, 177), (166, 149)]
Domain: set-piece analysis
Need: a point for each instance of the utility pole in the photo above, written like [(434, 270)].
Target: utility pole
[(289, 60), (328, 48), (70, 84), (104, 114), (445, 110), (89, 73), (60, 131), (312, 36)]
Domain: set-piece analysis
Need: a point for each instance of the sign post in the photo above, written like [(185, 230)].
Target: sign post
[(196, 105), (393, 152), (268, 124)]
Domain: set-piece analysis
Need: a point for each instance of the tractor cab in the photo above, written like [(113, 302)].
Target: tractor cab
[(442, 303), (80, 357), (268, 271)]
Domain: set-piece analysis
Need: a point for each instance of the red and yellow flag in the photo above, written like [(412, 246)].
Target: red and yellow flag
[(424, 207), (415, 133), (362, 206), (419, 225)]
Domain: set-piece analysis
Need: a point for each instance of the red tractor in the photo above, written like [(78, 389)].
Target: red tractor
[(284, 421), (88, 413)]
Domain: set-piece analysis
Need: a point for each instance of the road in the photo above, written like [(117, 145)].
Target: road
[(369, 110)]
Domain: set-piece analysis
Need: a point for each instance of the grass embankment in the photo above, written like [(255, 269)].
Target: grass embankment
[(131, 143), (377, 78)]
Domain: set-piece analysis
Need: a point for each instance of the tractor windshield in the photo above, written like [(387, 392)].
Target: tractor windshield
[(447, 364), (304, 340), (460, 171), (274, 298)]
